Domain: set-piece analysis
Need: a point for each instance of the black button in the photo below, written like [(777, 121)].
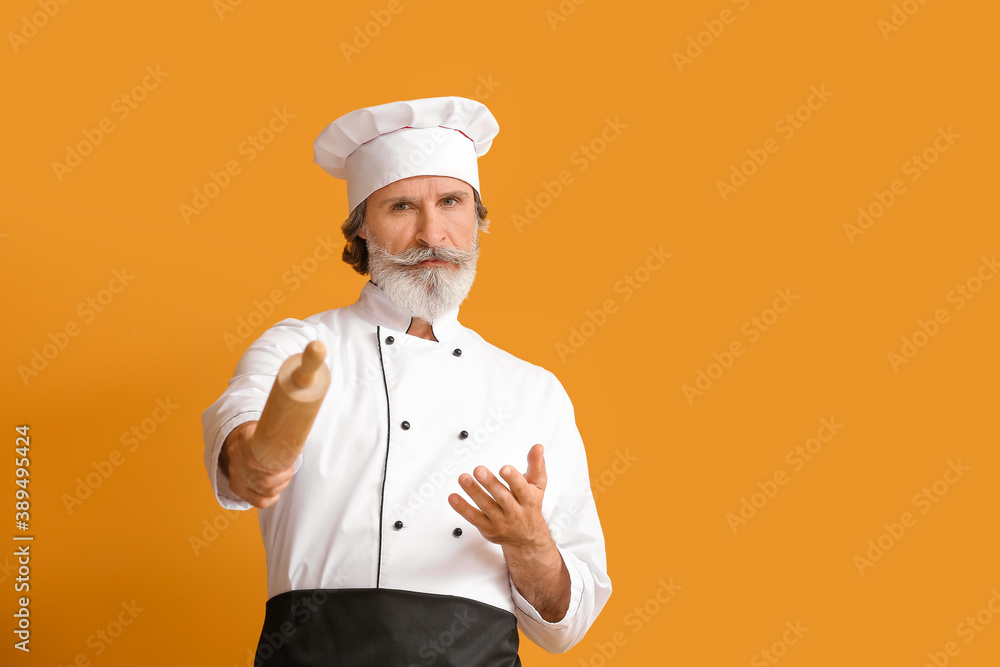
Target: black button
[(390, 340), (463, 435), (457, 352), (457, 532), (406, 426), (398, 525)]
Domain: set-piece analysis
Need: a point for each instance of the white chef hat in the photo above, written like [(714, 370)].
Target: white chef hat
[(376, 146)]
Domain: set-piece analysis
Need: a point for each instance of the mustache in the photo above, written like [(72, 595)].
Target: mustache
[(418, 254)]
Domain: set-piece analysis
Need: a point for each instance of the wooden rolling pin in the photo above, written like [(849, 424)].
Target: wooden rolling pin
[(291, 408)]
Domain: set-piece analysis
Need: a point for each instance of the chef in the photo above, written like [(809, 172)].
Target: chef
[(442, 500)]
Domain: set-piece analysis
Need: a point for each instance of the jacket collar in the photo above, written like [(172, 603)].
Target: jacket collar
[(375, 307)]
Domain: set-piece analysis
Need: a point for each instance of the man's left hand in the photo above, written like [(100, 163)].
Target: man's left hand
[(509, 515)]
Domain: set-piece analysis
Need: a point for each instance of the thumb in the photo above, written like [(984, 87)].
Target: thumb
[(536, 467)]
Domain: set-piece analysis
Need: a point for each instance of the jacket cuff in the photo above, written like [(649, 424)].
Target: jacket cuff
[(220, 484), (576, 586)]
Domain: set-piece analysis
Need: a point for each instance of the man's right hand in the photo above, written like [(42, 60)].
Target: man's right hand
[(248, 479)]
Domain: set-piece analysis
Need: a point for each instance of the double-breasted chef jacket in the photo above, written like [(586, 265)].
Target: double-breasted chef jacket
[(364, 552)]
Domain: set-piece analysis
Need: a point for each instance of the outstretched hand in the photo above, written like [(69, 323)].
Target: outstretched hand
[(248, 478), (509, 515)]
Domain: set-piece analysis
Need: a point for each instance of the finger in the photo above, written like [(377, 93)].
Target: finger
[(467, 511), (268, 485), (271, 478), (281, 487), (281, 477), (479, 496), (501, 494), (265, 502), (520, 487), (265, 492), (253, 463), (257, 487), (256, 499), (536, 467)]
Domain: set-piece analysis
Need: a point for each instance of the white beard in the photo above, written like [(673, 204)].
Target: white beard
[(423, 292)]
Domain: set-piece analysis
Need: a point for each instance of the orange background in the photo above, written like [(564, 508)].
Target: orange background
[(553, 85)]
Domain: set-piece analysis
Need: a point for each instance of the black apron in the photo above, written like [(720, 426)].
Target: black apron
[(384, 628)]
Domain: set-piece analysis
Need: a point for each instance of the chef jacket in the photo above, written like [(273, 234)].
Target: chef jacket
[(367, 506)]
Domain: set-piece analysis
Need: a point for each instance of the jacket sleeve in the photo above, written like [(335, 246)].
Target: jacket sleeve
[(244, 398), (571, 514)]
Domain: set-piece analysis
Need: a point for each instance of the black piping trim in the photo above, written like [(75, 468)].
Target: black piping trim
[(385, 466)]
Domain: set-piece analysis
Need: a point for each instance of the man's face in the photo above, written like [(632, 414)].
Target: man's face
[(422, 237), (426, 211)]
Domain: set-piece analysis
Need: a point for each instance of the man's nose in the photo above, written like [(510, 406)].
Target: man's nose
[(430, 227)]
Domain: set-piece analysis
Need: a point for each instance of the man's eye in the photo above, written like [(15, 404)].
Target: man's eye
[(400, 206), (452, 200)]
